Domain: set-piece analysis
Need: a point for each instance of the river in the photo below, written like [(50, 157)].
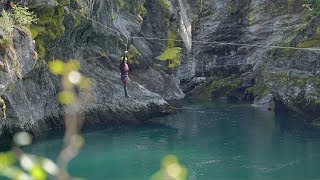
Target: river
[(213, 141)]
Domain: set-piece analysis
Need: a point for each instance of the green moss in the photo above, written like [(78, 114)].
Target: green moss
[(48, 27), (225, 86), (258, 90), (164, 4), (40, 48), (121, 4), (318, 30), (4, 43), (288, 78), (309, 43), (63, 2), (134, 56), (16, 67), (251, 18), (172, 53), (34, 33), (312, 9), (141, 10), (172, 36), (3, 108), (234, 8)]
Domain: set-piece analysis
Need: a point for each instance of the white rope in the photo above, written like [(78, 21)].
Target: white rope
[(230, 43), (118, 32), (196, 41)]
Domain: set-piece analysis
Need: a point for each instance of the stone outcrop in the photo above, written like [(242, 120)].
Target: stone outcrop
[(30, 94), (289, 75)]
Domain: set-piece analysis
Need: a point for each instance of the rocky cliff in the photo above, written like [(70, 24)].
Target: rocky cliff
[(205, 46), (29, 91), (276, 78)]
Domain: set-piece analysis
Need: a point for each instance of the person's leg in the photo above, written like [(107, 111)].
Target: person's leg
[(125, 89)]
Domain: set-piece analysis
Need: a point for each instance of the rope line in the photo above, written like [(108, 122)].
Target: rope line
[(88, 18), (94, 58), (230, 43), (197, 41)]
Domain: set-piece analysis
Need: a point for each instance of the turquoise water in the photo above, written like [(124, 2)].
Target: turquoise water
[(213, 140)]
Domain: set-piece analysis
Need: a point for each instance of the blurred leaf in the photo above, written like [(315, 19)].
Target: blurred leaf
[(56, 67), (66, 97), (85, 83), (14, 173), (168, 160), (170, 170), (38, 173), (72, 65), (49, 166), (26, 162), (6, 159)]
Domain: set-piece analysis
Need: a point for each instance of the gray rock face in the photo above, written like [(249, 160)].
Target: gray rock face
[(30, 91), (289, 75), (266, 102), (280, 76)]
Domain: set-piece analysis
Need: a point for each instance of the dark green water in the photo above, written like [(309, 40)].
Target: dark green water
[(213, 140)]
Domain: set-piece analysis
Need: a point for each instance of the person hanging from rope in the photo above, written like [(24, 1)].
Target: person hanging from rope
[(124, 68)]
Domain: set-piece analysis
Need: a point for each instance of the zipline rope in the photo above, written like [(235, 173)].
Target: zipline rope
[(118, 32), (197, 41), (230, 43)]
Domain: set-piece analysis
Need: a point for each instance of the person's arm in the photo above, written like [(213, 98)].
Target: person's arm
[(126, 67)]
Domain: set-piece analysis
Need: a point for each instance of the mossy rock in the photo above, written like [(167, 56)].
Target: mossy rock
[(134, 56), (2, 66), (172, 52), (225, 87), (257, 91), (48, 28), (309, 43), (164, 4)]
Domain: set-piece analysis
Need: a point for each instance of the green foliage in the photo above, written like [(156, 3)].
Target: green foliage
[(22, 16), (224, 86), (258, 90), (70, 77), (63, 2), (172, 37), (5, 42), (25, 166), (40, 48), (312, 9), (16, 67), (140, 9), (164, 4), (121, 4), (134, 56), (3, 109), (48, 27), (34, 33), (171, 53), (7, 24), (318, 30), (10, 87), (309, 43)]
